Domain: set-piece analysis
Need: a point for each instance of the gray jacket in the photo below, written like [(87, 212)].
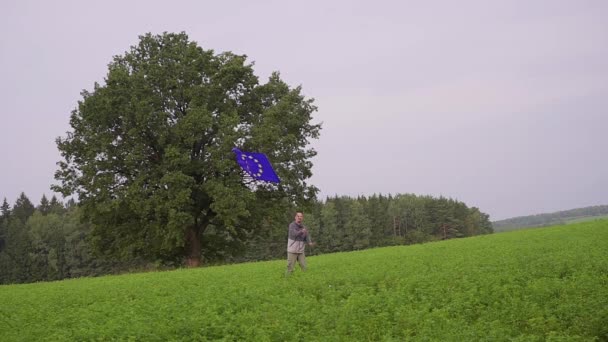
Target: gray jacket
[(297, 239)]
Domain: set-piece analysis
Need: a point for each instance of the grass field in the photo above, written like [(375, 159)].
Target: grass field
[(546, 284)]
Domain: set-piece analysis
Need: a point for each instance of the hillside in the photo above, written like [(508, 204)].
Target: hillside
[(555, 218), (528, 285)]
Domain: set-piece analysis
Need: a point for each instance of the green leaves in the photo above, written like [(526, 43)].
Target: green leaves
[(150, 152)]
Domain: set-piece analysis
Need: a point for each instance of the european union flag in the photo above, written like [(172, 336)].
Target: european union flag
[(256, 165)]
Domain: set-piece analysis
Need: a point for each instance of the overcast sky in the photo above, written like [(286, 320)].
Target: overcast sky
[(500, 104)]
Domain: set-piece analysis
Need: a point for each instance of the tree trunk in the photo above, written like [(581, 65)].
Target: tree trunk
[(193, 247)]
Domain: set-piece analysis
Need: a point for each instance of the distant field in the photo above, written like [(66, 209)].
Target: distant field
[(552, 219), (546, 284), (586, 218), (564, 221)]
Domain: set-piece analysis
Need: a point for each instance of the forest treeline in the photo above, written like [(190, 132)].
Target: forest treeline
[(50, 241), (548, 219)]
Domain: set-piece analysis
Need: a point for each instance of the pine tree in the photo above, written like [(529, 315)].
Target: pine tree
[(4, 215), (329, 238), (15, 263), (47, 246), (23, 208), (5, 210), (56, 206), (45, 205), (358, 230)]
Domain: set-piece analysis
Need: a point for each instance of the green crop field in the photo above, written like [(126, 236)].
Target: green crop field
[(546, 284)]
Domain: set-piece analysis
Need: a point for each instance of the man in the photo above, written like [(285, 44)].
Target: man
[(296, 242)]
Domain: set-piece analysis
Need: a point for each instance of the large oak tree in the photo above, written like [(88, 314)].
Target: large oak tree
[(149, 155)]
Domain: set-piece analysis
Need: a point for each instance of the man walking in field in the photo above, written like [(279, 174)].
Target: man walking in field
[(296, 242)]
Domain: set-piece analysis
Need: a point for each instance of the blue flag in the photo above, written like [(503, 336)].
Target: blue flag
[(256, 165)]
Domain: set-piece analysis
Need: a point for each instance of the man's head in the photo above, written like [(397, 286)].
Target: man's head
[(299, 217)]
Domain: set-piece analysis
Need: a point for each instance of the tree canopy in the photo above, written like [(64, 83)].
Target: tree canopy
[(149, 155)]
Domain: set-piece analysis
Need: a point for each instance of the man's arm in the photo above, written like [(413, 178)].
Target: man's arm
[(308, 239), (295, 231)]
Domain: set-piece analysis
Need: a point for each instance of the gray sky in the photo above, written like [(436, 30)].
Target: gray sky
[(500, 104)]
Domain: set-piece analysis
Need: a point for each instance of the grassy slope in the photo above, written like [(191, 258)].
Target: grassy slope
[(531, 285), (551, 219), (586, 218), (570, 220)]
